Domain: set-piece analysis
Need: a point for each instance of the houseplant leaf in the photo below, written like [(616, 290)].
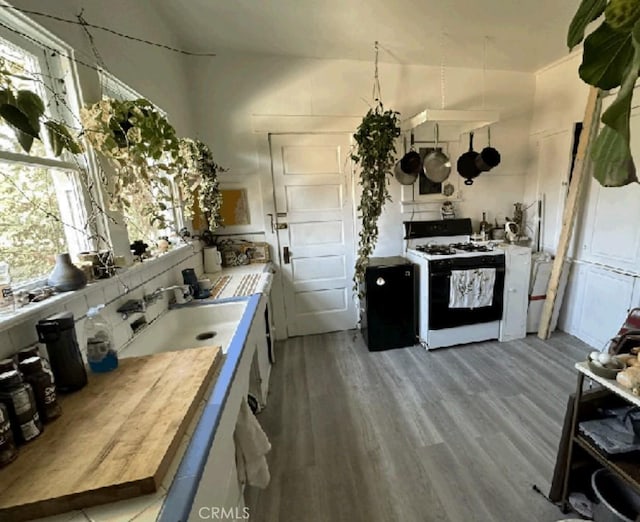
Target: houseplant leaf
[(61, 138), (606, 58), (18, 120), (588, 11), (25, 140), (30, 104), (614, 166), (54, 139)]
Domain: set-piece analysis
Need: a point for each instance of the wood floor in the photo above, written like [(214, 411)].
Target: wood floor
[(456, 434)]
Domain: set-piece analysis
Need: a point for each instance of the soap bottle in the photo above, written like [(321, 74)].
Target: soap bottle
[(101, 352), (7, 302)]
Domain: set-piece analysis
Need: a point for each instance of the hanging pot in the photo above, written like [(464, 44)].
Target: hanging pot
[(408, 168), (489, 157), (467, 167), (437, 165)]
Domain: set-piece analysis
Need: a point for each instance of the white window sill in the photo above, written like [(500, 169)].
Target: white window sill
[(37, 309)]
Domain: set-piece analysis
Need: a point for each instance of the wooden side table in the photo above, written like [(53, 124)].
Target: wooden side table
[(627, 467)]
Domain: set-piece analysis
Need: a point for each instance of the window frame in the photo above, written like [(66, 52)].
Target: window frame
[(59, 66)]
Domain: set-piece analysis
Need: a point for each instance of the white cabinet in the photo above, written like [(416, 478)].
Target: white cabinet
[(516, 292), (261, 366), (219, 486)]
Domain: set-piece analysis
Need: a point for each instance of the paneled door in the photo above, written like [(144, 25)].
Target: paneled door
[(553, 173), (312, 177)]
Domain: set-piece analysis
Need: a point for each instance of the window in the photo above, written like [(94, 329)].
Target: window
[(42, 203), (138, 222)]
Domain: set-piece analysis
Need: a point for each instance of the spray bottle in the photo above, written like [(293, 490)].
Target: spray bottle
[(101, 352)]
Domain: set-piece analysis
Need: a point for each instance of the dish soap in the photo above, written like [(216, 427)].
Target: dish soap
[(101, 352)]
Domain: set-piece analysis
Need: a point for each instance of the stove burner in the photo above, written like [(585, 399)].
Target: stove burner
[(470, 247), (451, 249), (436, 250)]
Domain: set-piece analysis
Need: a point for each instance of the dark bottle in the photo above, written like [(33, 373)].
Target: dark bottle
[(59, 334), (33, 351), (6, 365), (43, 386), (18, 397), (27, 353), (484, 227), (8, 450)]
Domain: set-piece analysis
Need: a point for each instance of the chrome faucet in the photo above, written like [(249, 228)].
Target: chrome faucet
[(182, 294)]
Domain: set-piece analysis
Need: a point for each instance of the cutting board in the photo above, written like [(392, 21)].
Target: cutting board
[(115, 439)]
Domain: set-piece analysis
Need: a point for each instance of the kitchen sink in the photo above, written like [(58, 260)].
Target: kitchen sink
[(188, 327)]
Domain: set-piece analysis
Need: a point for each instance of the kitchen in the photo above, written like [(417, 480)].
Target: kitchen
[(262, 90)]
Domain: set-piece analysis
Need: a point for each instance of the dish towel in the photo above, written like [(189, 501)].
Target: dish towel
[(251, 447), (472, 288)]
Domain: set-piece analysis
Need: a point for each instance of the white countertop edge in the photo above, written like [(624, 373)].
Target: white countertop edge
[(610, 384)]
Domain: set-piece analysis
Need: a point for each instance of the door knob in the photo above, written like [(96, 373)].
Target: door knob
[(286, 254)]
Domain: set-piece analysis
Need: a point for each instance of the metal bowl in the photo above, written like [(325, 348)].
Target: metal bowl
[(607, 373)]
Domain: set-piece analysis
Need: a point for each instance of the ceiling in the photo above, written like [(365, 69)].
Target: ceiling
[(498, 34)]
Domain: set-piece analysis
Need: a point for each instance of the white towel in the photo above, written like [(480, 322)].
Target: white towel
[(251, 447), (472, 288)]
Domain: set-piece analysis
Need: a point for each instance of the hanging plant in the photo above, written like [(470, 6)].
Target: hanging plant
[(199, 176), (24, 111), (375, 153), (143, 148), (611, 58)]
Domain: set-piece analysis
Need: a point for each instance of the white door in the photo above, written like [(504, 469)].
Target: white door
[(312, 179), (553, 173)]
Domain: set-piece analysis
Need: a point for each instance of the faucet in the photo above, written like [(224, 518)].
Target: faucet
[(132, 306), (182, 294)]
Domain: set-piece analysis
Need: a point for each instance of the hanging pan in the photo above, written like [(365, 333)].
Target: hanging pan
[(467, 167), (437, 165), (489, 157), (409, 167)]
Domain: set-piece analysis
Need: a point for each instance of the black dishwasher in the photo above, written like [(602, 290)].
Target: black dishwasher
[(389, 310)]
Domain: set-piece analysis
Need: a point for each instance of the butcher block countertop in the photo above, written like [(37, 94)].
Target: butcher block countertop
[(115, 439)]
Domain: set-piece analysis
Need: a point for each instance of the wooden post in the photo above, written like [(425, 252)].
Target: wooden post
[(589, 130)]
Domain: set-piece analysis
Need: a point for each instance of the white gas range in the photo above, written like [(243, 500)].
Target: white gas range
[(461, 284)]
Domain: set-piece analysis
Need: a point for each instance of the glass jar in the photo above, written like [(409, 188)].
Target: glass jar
[(18, 397), (8, 450), (44, 389)]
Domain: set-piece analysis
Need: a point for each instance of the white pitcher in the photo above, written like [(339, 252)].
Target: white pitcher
[(212, 260)]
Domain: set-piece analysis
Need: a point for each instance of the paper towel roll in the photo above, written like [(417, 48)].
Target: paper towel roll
[(212, 260)]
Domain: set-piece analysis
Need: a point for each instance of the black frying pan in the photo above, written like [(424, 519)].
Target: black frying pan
[(467, 166)]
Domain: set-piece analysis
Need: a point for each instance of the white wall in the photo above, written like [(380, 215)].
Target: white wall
[(234, 86)]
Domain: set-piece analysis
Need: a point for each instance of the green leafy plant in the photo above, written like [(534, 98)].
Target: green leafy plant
[(611, 58), (24, 111), (375, 153), (143, 148), (200, 176)]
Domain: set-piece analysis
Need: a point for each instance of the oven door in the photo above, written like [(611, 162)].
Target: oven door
[(440, 314)]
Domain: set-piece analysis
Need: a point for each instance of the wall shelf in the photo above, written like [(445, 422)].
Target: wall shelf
[(465, 121)]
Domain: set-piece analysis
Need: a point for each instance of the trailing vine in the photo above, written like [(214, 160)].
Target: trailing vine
[(375, 153), (143, 148), (200, 176)]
